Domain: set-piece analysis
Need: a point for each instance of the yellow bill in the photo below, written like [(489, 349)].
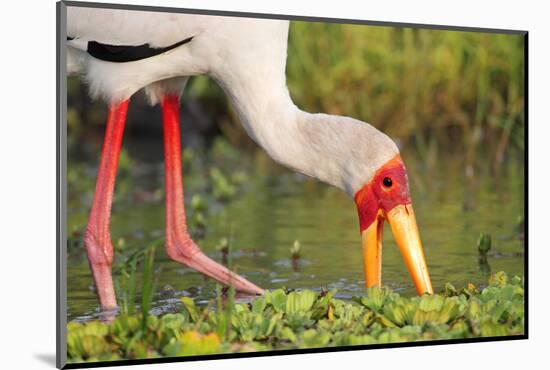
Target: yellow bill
[(403, 225)]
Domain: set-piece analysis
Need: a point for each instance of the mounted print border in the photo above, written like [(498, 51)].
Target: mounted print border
[(456, 299)]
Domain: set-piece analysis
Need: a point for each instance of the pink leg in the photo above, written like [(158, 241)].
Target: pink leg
[(179, 245), (98, 237)]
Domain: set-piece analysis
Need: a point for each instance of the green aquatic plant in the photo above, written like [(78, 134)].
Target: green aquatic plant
[(127, 277), (223, 245), (198, 204), (222, 188), (484, 246), (484, 243), (295, 254), (239, 177), (305, 319), (147, 286), (198, 216), (120, 245), (375, 298), (223, 248), (198, 224), (125, 284), (187, 157), (295, 249), (125, 162)]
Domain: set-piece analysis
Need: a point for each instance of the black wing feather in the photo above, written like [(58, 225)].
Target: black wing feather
[(124, 53)]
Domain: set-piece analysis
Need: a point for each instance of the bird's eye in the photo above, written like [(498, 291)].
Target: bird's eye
[(387, 182)]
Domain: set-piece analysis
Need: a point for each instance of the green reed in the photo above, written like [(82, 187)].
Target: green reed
[(126, 283), (431, 88)]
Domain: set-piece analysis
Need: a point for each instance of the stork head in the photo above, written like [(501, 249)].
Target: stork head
[(365, 163), (386, 197)]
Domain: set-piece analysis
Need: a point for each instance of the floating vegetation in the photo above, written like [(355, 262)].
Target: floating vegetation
[(305, 319)]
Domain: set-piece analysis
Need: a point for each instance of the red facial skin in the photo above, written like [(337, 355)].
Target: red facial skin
[(375, 195)]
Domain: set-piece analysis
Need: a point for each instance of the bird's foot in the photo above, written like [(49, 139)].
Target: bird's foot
[(189, 254), (100, 257)]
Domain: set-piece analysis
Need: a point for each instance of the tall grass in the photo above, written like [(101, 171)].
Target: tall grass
[(126, 283), (434, 88), (147, 287)]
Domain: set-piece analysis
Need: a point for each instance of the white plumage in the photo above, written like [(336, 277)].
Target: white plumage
[(247, 58)]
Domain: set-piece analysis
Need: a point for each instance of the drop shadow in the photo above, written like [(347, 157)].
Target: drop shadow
[(47, 358)]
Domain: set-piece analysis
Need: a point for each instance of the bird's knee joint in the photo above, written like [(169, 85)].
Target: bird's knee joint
[(182, 251), (100, 250)]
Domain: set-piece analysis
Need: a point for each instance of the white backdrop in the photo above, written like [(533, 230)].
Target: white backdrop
[(27, 180)]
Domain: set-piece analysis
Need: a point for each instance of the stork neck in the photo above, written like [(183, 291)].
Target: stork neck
[(337, 150), (272, 120)]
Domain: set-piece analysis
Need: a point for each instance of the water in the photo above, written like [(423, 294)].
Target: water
[(277, 207)]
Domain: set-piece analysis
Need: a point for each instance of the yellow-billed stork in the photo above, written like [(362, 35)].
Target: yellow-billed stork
[(119, 52)]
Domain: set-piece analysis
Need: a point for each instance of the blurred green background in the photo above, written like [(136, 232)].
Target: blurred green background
[(437, 89)]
